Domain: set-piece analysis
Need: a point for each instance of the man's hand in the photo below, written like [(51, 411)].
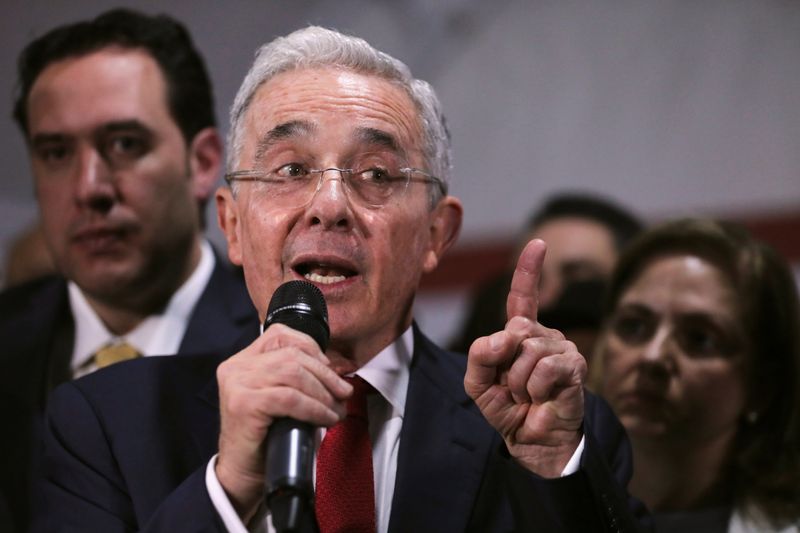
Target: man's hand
[(282, 374), (527, 379)]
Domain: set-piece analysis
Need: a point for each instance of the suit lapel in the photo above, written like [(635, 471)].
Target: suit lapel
[(444, 445), (223, 312)]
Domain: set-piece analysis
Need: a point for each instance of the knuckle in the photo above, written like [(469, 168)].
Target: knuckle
[(532, 346), (570, 347), (287, 401), (548, 366), (293, 371), (227, 371), (519, 323), (236, 403), (222, 371), (580, 366)]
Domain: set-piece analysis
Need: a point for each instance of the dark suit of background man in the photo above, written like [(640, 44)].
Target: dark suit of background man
[(339, 165), (118, 117)]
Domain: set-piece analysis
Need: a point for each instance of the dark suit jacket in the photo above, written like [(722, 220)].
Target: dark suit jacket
[(127, 448), (36, 336)]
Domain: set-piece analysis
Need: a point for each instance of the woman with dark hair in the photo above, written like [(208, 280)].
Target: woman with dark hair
[(700, 359)]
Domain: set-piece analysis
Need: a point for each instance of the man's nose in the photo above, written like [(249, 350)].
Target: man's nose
[(332, 181), (94, 184), (330, 205)]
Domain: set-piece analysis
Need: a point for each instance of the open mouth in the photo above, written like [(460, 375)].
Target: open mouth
[(323, 274)]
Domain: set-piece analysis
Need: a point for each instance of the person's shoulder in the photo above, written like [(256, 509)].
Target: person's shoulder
[(154, 368), (35, 292), (141, 385), (29, 313)]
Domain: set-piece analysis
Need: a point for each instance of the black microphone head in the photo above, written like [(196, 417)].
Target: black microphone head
[(300, 305)]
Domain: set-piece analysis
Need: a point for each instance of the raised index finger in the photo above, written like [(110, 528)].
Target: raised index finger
[(523, 298)]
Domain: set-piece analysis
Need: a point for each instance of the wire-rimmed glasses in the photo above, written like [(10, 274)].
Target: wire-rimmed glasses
[(374, 182)]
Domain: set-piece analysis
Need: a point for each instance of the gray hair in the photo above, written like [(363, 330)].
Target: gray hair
[(319, 47)]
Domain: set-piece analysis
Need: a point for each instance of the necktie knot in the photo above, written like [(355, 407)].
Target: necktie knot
[(357, 403), (114, 353)]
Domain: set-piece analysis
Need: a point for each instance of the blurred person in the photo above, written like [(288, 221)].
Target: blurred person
[(118, 118), (28, 257), (700, 359), (338, 170), (584, 234)]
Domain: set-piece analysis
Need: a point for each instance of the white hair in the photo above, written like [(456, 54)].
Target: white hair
[(320, 47)]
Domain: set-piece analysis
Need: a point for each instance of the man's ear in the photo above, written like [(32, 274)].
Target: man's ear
[(205, 161), (228, 220), (444, 229)]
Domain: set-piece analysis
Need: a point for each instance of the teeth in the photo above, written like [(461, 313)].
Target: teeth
[(324, 280)]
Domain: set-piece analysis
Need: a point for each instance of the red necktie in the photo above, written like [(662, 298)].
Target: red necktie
[(345, 498)]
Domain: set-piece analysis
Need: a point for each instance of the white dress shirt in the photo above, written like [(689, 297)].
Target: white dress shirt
[(388, 372), (159, 334)]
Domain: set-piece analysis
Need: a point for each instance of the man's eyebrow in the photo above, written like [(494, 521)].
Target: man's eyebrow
[(282, 132), (39, 139), (380, 138), (123, 125), (110, 127)]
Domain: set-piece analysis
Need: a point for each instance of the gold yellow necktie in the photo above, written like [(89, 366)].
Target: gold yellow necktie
[(114, 353)]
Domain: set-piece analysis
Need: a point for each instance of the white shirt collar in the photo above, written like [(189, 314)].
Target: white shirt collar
[(156, 335), (388, 372)]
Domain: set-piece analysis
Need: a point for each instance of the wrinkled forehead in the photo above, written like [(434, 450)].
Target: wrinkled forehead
[(331, 112)]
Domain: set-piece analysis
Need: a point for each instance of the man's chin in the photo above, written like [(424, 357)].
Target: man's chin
[(105, 280)]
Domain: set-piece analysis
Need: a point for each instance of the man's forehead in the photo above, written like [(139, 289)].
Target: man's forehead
[(121, 65), (310, 103), (101, 88), (303, 131)]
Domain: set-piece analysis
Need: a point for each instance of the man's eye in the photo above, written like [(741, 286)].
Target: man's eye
[(53, 153), (125, 147), (291, 171), (375, 175)]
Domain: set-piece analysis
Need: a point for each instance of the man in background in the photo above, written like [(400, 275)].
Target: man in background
[(585, 234), (118, 117)]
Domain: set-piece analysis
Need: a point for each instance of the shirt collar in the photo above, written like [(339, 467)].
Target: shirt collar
[(156, 335), (388, 372)]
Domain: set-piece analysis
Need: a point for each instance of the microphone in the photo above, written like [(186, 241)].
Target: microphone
[(290, 443)]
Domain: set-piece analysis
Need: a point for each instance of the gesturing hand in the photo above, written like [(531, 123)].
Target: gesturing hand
[(527, 379)]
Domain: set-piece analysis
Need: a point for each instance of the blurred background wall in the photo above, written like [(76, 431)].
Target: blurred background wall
[(669, 107)]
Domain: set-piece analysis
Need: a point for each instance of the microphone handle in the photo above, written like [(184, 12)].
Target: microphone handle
[(289, 449), (290, 463)]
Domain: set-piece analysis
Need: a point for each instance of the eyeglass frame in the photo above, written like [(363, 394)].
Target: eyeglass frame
[(259, 176)]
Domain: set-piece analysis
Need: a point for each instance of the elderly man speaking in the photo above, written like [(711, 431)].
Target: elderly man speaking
[(338, 173)]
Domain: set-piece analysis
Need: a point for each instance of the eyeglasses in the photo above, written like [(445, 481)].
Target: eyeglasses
[(374, 184)]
